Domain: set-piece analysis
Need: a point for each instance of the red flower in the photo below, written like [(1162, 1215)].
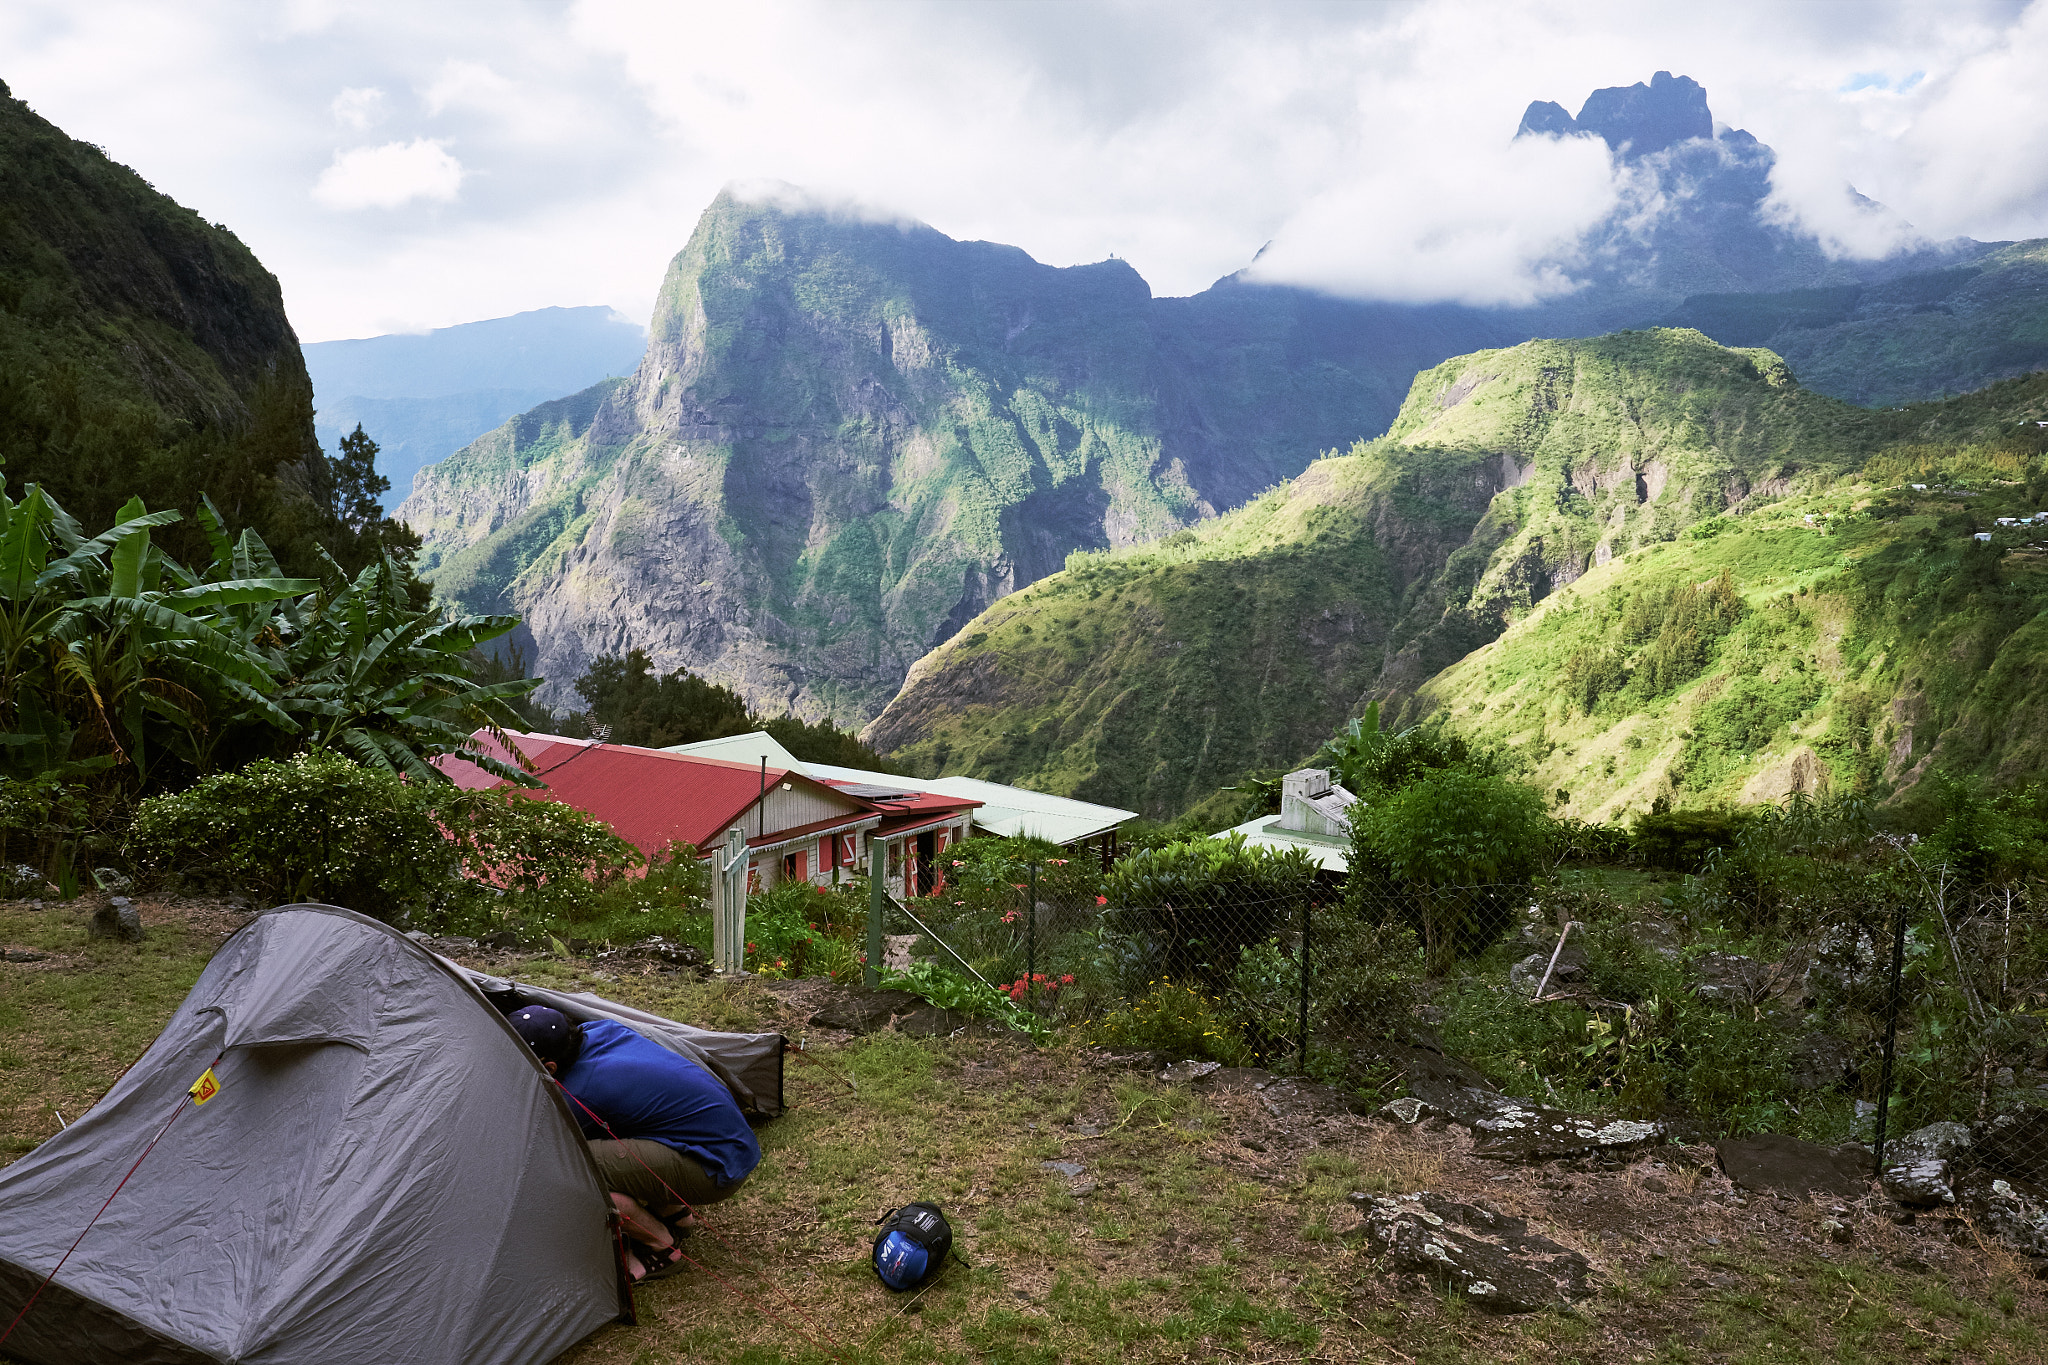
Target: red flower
[(1102, 900), (1067, 980)]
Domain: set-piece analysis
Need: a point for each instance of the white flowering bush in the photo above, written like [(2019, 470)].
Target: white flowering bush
[(312, 827), (320, 827)]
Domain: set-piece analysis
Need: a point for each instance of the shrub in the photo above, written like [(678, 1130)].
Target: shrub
[(1201, 902), (1680, 840), (1454, 828), (312, 825), (799, 929), (1176, 1020), (546, 857), (319, 825)]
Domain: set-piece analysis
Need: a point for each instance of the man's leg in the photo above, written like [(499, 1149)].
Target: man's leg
[(656, 1174)]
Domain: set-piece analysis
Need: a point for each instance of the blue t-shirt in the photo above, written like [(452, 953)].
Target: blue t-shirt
[(643, 1090)]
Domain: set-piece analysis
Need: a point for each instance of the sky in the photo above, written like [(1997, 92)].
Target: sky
[(402, 166)]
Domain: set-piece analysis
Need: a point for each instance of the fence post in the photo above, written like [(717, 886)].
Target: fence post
[(878, 900), (1031, 934), (1891, 1030), (1301, 1067)]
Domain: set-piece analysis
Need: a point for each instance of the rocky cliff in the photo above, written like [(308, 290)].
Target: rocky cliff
[(847, 438)]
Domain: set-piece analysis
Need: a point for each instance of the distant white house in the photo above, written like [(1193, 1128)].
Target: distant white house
[(1314, 815), (2008, 521), (1919, 488), (1983, 535)]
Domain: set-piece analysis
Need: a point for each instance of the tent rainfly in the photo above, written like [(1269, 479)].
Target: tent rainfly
[(383, 1175)]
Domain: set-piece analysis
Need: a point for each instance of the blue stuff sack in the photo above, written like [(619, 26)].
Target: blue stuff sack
[(912, 1246)]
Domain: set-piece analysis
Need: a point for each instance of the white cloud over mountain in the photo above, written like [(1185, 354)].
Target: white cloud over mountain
[(442, 163), (388, 176)]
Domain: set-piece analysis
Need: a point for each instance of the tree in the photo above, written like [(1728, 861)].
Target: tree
[(358, 487)]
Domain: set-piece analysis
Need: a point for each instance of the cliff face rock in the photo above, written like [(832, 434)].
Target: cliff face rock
[(847, 438)]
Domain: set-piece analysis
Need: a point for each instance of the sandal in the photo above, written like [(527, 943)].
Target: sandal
[(661, 1262), (681, 1227)]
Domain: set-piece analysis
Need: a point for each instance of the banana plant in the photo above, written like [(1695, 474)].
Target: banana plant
[(114, 657), (373, 676)]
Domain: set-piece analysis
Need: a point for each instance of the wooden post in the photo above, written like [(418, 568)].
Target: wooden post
[(878, 901)]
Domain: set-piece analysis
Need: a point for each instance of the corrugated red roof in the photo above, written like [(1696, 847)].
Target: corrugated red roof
[(649, 797)]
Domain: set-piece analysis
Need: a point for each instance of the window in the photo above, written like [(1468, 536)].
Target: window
[(793, 866), (895, 860), (753, 879)]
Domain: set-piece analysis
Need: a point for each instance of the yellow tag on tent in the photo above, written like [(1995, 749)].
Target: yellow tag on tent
[(205, 1088)]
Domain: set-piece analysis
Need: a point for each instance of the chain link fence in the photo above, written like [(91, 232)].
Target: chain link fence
[(1895, 1007)]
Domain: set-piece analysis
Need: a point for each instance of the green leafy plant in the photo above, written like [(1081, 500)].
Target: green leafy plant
[(1175, 1020)]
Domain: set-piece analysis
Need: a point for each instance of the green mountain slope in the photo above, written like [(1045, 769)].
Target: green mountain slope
[(847, 438), (1864, 636), (1153, 676), (143, 349), (1903, 340), (1509, 481)]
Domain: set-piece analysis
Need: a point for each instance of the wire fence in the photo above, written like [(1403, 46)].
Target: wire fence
[(1897, 1007)]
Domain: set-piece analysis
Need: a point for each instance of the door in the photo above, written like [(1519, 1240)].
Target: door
[(927, 861)]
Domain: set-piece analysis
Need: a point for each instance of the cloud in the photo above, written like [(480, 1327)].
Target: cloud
[(1369, 143), (389, 176), (1494, 227), (358, 107)]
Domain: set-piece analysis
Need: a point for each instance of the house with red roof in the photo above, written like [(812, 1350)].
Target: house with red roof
[(796, 827)]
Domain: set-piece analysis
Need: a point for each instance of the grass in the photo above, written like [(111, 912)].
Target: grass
[(1207, 1225)]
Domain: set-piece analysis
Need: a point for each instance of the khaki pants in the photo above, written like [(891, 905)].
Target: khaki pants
[(642, 1168)]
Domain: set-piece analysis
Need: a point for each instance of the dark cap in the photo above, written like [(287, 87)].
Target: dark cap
[(553, 1035)]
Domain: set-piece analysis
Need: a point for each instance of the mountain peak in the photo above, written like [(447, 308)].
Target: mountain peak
[(1633, 120)]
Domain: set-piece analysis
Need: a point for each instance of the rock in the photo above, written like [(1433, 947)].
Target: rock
[(117, 919), (1849, 962), (1771, 1163), (1836, 1231), (1729, 978), (896, 951), (863, 1011), (20, 882), (113, 881), (1525, 975), (1917, 1170), (1656, 935), (1506, 1129), (22, 955), (2015, 1146), (1070, 1169), (1183, 1073), (2017, 1219), (1490, 1260), (929, 1021), (1407, 1109), (501, 940), (1821, 1061), (1421, 1064)]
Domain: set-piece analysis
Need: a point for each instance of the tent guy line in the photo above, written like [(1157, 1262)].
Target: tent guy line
[(176, 1110)]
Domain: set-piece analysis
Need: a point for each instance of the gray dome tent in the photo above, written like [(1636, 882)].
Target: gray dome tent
[(384, 1175)]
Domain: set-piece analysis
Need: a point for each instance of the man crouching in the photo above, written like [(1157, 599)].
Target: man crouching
[(667, 1135)]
